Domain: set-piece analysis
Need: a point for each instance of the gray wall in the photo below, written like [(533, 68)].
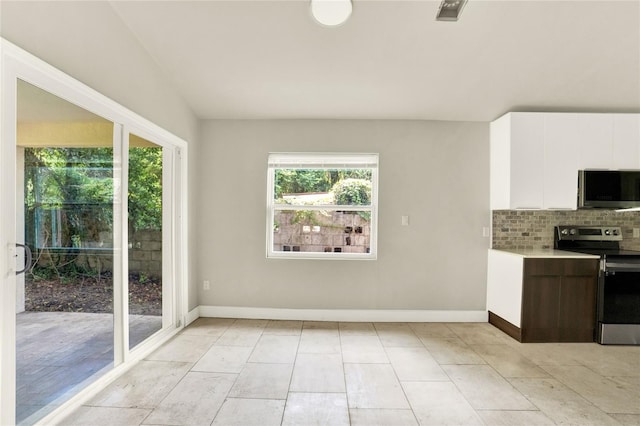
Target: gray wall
[(435, 172), (89, 42)]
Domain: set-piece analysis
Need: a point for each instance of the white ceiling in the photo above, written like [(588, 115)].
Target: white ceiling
[(392, 59)]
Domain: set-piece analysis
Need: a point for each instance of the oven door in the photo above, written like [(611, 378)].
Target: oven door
[(619, 301)]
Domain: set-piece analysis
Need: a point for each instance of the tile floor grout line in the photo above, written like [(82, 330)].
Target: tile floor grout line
[(404, 392), (576, 391), (234, 381), (293, 369), (532, 390), (344, 374)]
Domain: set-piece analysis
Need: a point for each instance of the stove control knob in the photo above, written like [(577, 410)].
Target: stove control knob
[(615, 232), (573, 231), (565, 231), (607, 232)]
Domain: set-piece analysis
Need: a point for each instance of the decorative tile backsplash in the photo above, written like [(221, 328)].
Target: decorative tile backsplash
[(527, 229)]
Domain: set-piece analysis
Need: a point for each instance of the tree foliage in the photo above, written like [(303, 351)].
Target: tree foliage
[(66, 191), (73, 187), (145, 188), (352, 192), (301, 181)]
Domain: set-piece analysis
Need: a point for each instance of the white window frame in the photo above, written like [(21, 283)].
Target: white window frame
[(330, 161)]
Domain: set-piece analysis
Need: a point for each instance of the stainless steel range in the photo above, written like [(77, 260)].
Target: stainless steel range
[(618, 303)]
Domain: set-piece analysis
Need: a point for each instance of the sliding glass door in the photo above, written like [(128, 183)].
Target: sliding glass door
[(148, 223), (65, 207), (90, 241)]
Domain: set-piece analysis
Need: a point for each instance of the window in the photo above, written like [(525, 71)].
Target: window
[(322, 205)]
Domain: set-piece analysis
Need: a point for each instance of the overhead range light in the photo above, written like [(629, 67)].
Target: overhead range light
[(450, 10), (631, 209), (331, 12)]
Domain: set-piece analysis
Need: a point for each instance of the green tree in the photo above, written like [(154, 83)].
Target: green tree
[(300, 181), (145, 188), (70, 186), (352, 192), (77, 185)]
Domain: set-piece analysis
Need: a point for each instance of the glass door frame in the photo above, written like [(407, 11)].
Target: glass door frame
[(16, 64), (170, 209)]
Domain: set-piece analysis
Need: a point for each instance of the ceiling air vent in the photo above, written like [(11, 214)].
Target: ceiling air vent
[(450, 10)]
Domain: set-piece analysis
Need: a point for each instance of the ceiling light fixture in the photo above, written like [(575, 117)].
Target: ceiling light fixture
[(331, 12), (450, 10)]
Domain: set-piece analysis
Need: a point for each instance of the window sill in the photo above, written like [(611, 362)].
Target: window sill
[(321, 256)]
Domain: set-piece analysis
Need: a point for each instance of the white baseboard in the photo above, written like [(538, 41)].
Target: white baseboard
[(193, 315), (349, 315)]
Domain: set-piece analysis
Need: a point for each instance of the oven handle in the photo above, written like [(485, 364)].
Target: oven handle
[(622, 267)]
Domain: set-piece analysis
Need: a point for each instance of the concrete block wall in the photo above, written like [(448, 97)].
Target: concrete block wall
[(344, 232), (145, 255)]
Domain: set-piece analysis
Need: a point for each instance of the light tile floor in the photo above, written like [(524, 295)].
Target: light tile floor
[(259, 372)]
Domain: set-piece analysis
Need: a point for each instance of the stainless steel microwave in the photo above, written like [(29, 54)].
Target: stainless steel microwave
[(613, 189)]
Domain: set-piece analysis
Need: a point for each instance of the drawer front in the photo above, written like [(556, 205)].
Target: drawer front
[(560, 267)]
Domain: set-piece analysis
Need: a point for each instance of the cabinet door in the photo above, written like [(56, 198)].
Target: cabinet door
[(626, 141), (540, 308), (577, 316), (527, 160), (595, 137), (500, 163), (558, 300), (561, 161)]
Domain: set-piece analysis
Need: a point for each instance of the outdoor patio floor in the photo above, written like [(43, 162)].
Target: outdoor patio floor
[(58, 352)]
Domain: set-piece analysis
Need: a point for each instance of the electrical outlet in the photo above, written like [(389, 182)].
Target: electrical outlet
[(636, 232), (206, 285)]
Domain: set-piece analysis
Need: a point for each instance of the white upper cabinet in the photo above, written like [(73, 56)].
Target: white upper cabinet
[(595, 136), (626, 141), (561, 161), (535, 157), (517, 159)]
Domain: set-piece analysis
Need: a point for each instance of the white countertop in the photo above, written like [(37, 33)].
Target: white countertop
[(549, 253)]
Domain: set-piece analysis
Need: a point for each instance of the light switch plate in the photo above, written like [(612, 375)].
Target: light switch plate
[(636, 232), (405, 220)]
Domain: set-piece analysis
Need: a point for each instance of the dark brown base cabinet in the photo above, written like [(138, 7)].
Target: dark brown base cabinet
[(558, 301)]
